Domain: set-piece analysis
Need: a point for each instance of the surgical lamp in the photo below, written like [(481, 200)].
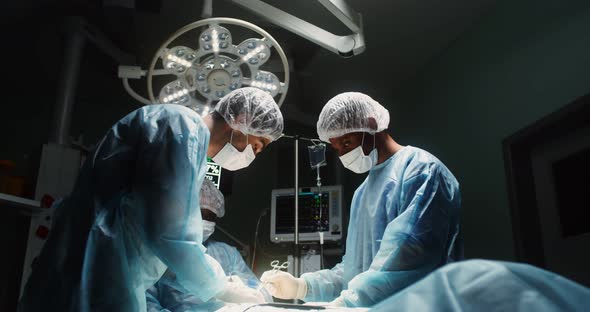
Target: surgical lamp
[(217, 66), (214, 67)]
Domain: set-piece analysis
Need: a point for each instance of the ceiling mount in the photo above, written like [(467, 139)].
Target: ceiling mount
[(346, 46)]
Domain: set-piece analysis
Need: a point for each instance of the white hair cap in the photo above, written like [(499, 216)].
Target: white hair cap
[(351, 112), (252, 111), (212, 198)]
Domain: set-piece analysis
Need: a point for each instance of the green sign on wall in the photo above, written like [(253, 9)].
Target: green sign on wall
[(213, 172)]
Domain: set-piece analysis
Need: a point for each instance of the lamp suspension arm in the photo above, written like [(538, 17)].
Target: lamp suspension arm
[(346, 46)]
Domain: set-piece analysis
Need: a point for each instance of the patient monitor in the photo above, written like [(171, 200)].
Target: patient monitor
[(312, 204)]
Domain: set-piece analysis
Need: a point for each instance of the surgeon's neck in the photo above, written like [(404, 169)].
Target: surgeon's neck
[(220, 134), (386, 146)]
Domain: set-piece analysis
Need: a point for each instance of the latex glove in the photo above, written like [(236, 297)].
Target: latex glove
[(284, 285), (236, 292)]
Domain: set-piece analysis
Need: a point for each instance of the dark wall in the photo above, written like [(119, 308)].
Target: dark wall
[(31, 57), (521, 62), (33, 64)]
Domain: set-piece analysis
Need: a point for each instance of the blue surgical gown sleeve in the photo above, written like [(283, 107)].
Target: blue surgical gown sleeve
[(167, 183), (153, 303), (133, 212), (233, 264), (413, 244), (324, 285), (239, 268)]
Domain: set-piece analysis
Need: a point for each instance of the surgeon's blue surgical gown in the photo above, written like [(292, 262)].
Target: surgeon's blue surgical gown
[(404, 223), (134, 212), (167, 295)]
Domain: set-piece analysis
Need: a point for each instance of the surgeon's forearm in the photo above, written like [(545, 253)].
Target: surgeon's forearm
[(324, 285), (192, 268), (405, 262), (371, 287)]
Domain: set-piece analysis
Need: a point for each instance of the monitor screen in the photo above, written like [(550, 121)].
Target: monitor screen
[(313, 207), (319, 212)]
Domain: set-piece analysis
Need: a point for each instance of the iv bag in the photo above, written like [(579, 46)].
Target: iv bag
[(317, 155)]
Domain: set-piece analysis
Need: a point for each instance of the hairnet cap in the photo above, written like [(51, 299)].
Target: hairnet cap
[(351, 112), (212, 199), (252, 111)]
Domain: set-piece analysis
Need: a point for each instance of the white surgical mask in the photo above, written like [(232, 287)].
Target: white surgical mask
[(231, 159), (208, 229), (356, 160)]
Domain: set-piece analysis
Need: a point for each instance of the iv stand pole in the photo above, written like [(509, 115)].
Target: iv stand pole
[(296, 264), (296, 246)]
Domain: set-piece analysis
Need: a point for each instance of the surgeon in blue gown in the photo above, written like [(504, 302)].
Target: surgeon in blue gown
[(404, 218), (168, 296), (134, 210)]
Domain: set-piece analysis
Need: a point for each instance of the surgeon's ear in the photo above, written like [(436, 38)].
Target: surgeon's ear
[(220, 126), (372, 123), (241, 119)]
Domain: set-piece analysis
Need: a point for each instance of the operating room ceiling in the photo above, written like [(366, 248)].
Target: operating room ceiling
[(402, 36)]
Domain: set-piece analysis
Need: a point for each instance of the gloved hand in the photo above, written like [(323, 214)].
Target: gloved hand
[(284, 285), (236, 292)]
